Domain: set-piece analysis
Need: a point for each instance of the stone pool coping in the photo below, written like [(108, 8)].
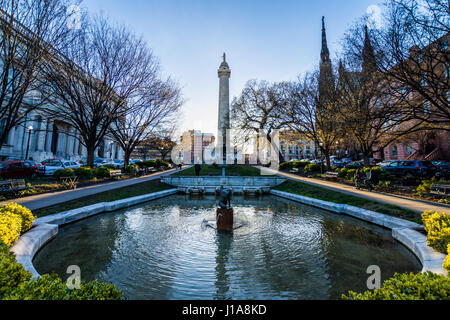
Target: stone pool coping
[(406, 232), (46, 228)]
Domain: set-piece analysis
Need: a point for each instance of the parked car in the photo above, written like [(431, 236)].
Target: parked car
[(355, 165), (337, 163), (18, 169), (443, 169), (385, 163), (411, 169), (346, 160), (49, 167), (119, 164)]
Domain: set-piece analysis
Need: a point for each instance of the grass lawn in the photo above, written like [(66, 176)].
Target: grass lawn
[(307, 190), (118, 194), (233, 170)]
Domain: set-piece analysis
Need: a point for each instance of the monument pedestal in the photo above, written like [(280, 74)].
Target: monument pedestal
[(225, 219)]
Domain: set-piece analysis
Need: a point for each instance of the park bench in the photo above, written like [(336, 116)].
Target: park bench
[(331, 175), (69, 182), (294, 170), (115, 173), (12, 186), (440, 189)]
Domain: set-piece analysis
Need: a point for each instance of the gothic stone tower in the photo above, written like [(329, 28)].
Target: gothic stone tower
[(326, 81), (224, 73)]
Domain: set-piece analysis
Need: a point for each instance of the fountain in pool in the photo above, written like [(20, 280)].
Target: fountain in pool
[(285, 250)]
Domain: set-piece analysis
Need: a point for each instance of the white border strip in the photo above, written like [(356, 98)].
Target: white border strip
[(402, 230), (46, 228)]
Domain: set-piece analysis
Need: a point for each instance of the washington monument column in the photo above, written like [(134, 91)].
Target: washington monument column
[(224, 106)]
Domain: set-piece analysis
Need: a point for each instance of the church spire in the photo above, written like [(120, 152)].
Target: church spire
[(325, 54), (369, 62)]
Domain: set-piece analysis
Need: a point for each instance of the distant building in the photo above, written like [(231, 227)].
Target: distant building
[(295, 147), (44, 136), (197, 147)]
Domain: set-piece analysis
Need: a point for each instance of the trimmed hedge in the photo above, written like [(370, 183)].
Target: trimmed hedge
[(154, 164), (84, 173), (10, 227), (26, 216), (50, 287), (293, 164), (421, 286), (378, 174), (312, 167), (12, 274), (131, 168), (17, 284), (64, 173), (447, 261), (102, 172), (437, 225)]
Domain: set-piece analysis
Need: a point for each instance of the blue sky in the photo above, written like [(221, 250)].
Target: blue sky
[(264, 40)]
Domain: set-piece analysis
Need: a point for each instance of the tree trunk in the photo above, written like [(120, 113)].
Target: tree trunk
[(90, 147), (366, 160), (327, 157), (126, 158)]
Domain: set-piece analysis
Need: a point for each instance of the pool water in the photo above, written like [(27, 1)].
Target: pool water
[(164, 250)]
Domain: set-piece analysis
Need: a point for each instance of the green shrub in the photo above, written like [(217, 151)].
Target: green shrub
[(286, 166), (109, 166), (12, 274), (425, 187), (10, 227), (421, 286), (312, 167), (301, 164), (342, 173), (437, 225), (84, 173), (26, 216), (102, 172), (130, 169), (378, 174), (64, 173), (50, 287), (447, 261)]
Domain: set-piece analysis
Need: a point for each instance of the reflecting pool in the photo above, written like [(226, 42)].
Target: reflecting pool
[(285, 250)]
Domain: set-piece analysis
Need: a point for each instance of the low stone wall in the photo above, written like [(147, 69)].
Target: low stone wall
[(237, 185), (406, 232), (46, 228)]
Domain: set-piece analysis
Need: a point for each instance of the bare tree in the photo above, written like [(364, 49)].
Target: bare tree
[(30, 33), (416, 55), (149, 112), (106, 66), (259, 109), (312, 117), (163, 141)]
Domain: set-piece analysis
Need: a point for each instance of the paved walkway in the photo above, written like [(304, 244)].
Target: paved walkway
[(54, 198), (400, 201)]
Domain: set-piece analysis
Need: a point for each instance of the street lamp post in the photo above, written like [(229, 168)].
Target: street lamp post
[(321, 158), (110, 149), (30, 129)]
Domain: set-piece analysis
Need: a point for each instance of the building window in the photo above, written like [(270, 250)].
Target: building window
[(394, 152), (426, 107), (444, 45), (408, 150)]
